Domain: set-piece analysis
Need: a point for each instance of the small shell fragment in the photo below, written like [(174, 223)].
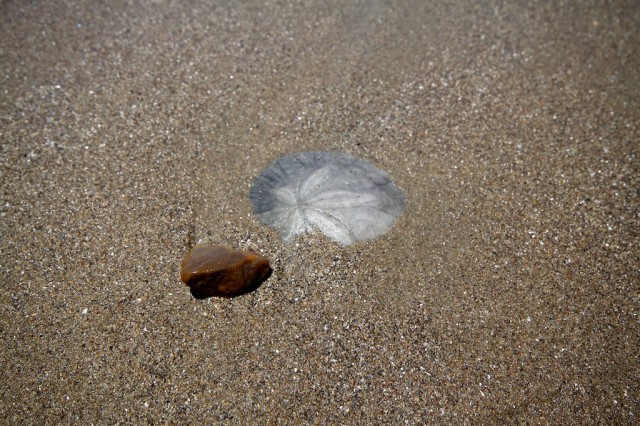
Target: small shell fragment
[(211, 270)]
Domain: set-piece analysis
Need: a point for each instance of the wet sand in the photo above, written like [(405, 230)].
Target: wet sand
[(507, 292)]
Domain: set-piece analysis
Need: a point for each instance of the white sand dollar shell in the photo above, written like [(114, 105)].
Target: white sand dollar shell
[(345, 198)]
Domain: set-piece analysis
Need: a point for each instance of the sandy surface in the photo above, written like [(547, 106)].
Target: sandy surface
[(509, 290)]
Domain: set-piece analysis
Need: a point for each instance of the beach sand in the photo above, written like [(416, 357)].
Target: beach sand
[(508, 291)]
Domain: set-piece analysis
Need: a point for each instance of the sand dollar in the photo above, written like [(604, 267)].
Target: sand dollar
[(345, 198)]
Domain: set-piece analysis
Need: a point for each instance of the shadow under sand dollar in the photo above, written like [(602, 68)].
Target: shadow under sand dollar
[(345, 198)]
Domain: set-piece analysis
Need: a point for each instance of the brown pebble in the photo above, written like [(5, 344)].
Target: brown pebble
[(211, 270)]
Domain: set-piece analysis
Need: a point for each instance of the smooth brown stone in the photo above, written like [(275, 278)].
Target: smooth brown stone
[(211, 270)]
